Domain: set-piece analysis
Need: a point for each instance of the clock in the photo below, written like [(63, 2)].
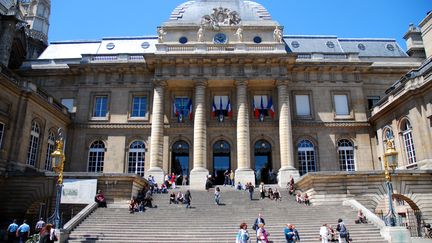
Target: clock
[(220, 38)]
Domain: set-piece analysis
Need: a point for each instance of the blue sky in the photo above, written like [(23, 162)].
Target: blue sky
[(95, 19)]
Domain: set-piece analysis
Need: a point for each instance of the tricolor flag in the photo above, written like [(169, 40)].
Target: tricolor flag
[(228, 108), (213, 109), (175, 110), (220, 104), (255, 110), (190, 107), (270, 108)]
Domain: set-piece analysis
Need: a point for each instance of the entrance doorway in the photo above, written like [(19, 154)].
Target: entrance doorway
[(180, 160), (221, 161), (263, 163)]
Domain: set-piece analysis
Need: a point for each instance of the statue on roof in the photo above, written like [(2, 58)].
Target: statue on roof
[(161, 34), (239, 34), (278, 35), (200, 34)]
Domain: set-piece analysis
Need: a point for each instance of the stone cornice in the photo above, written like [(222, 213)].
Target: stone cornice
[(353, 124)]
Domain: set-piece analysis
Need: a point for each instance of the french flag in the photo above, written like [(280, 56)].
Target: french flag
[(175, 110), (190, 107), (271, 108), (213, 109), (255, 110), (228, 108)]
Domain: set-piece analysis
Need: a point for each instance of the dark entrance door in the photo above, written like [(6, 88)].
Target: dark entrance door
[(263, 164), (180, 160), (221, 161)]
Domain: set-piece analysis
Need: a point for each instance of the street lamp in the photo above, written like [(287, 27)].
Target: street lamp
[(390, 160), (58, 159)]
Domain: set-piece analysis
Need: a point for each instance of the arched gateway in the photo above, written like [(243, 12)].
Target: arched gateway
[(180, 158), (221, 160)]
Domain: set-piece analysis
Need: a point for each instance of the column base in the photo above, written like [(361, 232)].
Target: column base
[(157, 173), (244, 176), (285, 174), (198, 178)]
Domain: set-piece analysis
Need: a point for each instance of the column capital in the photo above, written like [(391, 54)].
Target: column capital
[(200, 82), (241, 81), (282, 81), (159, 82)]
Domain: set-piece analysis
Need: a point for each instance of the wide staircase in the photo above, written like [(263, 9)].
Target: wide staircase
[(208, 222)]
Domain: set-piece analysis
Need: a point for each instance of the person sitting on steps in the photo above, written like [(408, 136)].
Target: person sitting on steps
[(361, 218), (172, 198), (100, 199)]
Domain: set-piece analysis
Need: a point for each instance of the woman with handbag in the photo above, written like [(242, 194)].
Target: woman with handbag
[(262, 234)]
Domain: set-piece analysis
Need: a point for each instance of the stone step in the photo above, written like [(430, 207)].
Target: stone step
[(193, 225)]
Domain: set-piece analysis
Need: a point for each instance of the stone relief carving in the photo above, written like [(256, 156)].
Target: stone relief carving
[(161, 34), (278, 35), (221, 17)]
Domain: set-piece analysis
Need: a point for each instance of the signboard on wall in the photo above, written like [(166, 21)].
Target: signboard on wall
[(78, 191)]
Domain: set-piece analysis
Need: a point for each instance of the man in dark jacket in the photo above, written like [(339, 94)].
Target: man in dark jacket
[(259, 220), (188, 198)]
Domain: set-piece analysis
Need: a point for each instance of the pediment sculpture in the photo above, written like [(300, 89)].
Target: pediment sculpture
[(221, 17)]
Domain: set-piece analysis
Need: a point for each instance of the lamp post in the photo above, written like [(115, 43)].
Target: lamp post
[(58, 159), (390, 160)]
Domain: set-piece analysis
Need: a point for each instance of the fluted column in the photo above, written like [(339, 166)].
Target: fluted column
[(157, 131), (285, 135), (243, 173), (199, 172)]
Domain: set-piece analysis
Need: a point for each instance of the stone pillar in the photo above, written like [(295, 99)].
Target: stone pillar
[(157, 132), (243, 173), (285, 136), (199, 172)]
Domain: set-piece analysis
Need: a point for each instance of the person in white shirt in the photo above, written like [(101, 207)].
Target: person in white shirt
[(324, 234)]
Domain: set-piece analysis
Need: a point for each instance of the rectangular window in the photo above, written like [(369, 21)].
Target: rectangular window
[(220, 105), (302, 105), (260, 105), (341, 105), (372, 101), (2, 128), (100, 108), (69, 104), (181, 107), (139, 106)]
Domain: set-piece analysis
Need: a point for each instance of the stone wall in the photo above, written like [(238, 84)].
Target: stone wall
[(368, 188)]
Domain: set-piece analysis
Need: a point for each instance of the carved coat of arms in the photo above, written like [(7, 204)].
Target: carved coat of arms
[(221, 17)]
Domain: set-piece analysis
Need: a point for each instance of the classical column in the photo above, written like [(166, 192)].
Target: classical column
[(285, 136), (157, 132), (199, 172), (243, 173)]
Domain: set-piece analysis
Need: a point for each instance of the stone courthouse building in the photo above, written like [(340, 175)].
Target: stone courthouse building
[(220, 87)]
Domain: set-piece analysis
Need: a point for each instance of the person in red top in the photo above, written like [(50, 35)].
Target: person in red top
[(100, 199), (173, 180)]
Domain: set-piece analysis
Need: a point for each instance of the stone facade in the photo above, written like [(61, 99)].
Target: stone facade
[(320, 97)]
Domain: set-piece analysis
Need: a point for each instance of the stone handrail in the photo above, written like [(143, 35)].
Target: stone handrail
[(391, 234), (71, 224), (373, 218)]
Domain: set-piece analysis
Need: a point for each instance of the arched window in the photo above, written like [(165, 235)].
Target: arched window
[(346, 155), (96, 156), (50, 150), (306, 157), (136, 158), (32, 153), (408, 142)]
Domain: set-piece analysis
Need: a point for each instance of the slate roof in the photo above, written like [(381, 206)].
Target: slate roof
[(366, 47)]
